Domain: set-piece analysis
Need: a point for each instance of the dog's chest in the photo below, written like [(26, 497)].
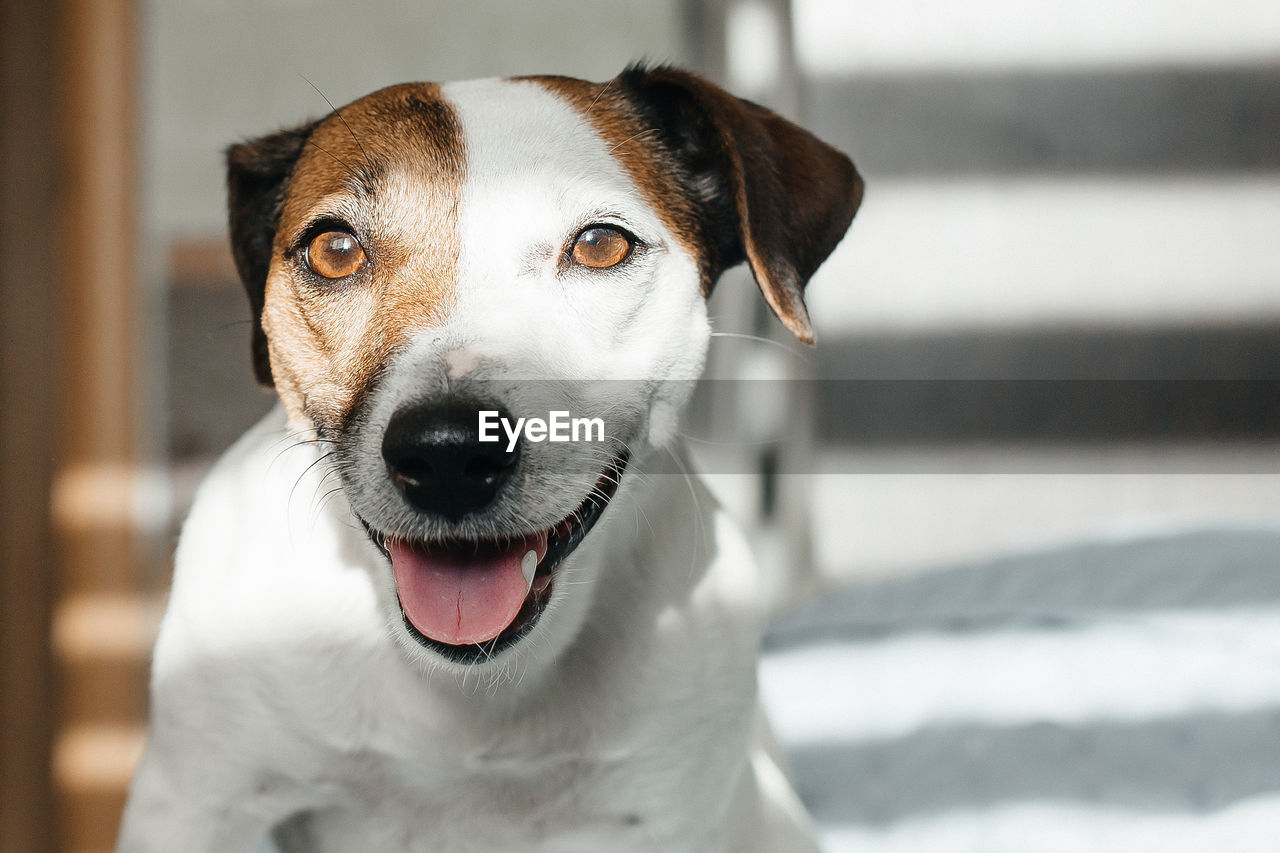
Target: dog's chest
[(565, 803), (553, 779)]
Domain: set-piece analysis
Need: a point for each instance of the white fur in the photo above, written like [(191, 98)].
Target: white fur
[(284, 681)]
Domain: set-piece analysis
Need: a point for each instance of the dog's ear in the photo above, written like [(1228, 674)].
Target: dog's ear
[(767, 191), (257, 175)]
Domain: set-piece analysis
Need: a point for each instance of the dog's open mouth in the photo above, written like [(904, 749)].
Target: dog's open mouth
[(470, 599)]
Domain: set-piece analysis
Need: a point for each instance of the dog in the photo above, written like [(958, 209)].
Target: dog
[(389, 632)]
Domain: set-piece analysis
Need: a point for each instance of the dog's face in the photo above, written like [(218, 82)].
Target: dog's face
[(430, 253)]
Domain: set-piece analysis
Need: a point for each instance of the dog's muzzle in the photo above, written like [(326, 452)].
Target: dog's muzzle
[(470, 598)]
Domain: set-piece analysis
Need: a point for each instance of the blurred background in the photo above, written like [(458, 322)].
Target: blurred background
[(1031, 467)]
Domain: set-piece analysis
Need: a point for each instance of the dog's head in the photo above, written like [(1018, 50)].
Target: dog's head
[(429, 256)]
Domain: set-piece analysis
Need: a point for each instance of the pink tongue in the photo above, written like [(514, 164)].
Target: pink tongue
[(458, 595)]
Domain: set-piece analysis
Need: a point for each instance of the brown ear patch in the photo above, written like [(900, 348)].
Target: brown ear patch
[(733, 180)]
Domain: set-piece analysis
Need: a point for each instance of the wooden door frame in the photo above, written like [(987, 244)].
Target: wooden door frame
[(71, 435)]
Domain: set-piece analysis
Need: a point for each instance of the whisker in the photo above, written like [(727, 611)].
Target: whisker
[(305, 472), (802, 356), (338, 113), (633, 137), (323, 500), (598, 96)]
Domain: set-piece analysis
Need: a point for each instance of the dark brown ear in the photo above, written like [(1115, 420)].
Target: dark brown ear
[(768, 192), (257, 175)]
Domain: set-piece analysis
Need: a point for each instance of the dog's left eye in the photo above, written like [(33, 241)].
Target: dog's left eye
[(601, 247), (335, 254)]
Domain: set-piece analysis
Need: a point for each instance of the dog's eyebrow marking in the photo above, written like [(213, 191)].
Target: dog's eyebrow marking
[(438, 123), (367, 180), (331, 155)]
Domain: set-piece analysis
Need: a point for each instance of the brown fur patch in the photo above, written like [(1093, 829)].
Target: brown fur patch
[(389, 166)]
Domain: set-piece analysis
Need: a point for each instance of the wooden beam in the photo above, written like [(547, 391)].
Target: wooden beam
[(28, 284), (104, 435)]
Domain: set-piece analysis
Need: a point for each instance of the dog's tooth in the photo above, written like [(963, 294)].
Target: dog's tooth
[(529, 565)]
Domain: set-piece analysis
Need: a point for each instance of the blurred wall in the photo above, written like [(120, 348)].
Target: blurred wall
[(1062, 295)]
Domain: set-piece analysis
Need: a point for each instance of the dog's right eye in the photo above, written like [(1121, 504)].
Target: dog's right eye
[(335, 254), (601, 247)]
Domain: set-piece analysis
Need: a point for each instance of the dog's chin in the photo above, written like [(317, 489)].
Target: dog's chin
[(486, 576)]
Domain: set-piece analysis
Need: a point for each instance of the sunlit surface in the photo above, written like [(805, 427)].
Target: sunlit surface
[(846, 36), (973, 252)]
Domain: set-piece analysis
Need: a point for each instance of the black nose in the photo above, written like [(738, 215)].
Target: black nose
[(439, 463)]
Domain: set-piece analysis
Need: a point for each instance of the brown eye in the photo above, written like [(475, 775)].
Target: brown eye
[(601, 247), (335, 254)]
